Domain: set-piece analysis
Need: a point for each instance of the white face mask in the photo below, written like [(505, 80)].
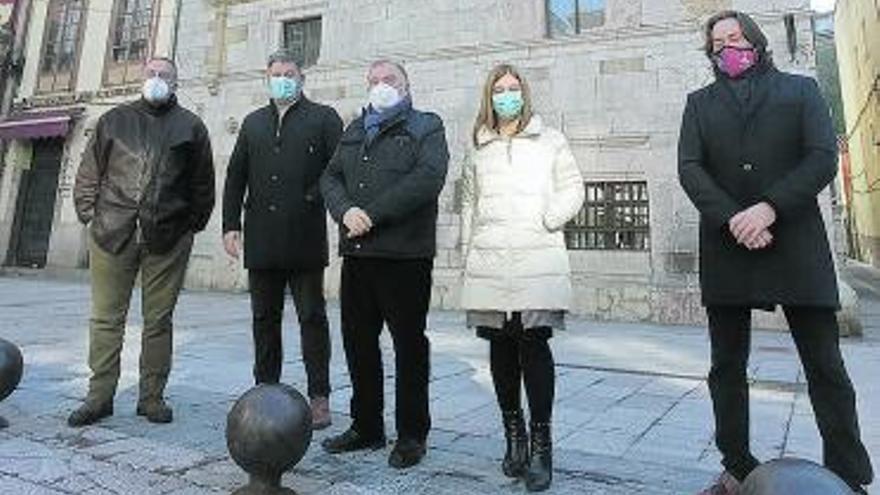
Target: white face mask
[(384, 96), (156, 90)]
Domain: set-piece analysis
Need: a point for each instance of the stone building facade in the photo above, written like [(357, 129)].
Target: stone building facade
[(611, 74), (857, 32)]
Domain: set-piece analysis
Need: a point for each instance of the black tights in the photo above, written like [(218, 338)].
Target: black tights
[(518, 359)]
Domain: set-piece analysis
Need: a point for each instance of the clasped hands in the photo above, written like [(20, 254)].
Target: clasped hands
[(751, 226), (357, 222)]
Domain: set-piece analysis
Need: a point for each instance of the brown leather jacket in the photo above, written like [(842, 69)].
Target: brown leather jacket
[(147, 171)]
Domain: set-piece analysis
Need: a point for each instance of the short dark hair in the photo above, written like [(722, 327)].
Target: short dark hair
[(750, 29), (282, 57), (167, 60)]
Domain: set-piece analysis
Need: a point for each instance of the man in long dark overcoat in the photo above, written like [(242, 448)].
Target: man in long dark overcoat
[(756, 148), (272, 180)]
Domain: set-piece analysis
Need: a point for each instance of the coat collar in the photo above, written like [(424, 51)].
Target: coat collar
[(297, 104), (156, 110), (533, 129), (356, 130), (762, 81)]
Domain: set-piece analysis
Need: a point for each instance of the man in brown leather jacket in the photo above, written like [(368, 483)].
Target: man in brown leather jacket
[(144, 187)]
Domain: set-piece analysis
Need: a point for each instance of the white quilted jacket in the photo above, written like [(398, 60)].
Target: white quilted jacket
[(517, 195)]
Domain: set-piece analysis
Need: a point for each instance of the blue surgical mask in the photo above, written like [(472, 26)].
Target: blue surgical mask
[(156, 90), (508, 105), (283, 88)]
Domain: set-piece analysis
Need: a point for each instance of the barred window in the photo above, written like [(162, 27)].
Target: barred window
[(615, 216), (131, 36), (570, 17), (61, 46), (302, 39)]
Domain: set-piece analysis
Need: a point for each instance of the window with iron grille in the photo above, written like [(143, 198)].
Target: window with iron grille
[(615, 216), (571, 17), (302, 39), (130, 41), (61, 46)]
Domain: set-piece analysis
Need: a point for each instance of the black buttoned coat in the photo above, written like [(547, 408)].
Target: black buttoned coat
[(278, 168), (396, 178), (778, 147)]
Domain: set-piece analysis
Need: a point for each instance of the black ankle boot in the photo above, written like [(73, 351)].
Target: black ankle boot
[(540, 472), (517, 456)]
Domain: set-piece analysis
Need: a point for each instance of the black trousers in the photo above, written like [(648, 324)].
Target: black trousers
[(816, 336), (267, 304), (518, 357), (396, 293)]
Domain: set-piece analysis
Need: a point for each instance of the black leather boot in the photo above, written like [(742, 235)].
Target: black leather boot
[(516, 458), (540, 472)]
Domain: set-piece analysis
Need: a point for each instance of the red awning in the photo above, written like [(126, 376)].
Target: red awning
[(35, 125)]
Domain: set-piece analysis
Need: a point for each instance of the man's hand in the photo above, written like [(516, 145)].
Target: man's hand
[(232, 243), (763, 240), (357, 222), (748, 225)]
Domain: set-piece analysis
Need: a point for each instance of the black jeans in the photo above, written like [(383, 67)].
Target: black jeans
[(520, 357), (376, 292), (816, 336), (267, 303)]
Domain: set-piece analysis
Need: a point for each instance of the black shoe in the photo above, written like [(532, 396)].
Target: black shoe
[(407, 452), (860, 490), (540, 471), (156, 411), (516, 459), (89, 413), (350, 441)]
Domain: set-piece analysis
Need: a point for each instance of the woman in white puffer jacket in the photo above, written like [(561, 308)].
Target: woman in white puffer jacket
[(520, 188)]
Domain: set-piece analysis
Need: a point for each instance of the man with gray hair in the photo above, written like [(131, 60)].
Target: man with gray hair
[(144, 188), (281, 151), (381, 186)]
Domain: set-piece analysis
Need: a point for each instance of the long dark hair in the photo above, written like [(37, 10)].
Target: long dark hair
[(750, 29)]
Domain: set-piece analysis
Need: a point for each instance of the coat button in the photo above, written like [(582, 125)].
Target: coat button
[(277, 149), (747, 167), (366, 158), (272, 208), (274, 178), (357, 246), (362, 185)]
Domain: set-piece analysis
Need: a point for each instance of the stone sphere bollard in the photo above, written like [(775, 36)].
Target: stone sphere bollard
[(790, 476), (11, 365), (268, 431)]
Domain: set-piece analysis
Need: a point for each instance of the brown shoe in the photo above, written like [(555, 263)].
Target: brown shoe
[(156, 411), (320, 413), (726, 484), (89, 413)]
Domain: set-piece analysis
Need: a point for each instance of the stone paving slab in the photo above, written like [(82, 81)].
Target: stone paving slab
[(632, 413)]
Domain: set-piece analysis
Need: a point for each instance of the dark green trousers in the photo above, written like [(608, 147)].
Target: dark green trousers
[(113, 278)]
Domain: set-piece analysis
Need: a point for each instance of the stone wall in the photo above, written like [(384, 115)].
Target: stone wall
[(616, 91), (857, 32)]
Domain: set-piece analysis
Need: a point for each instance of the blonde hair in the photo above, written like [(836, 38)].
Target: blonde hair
[(486, 116)]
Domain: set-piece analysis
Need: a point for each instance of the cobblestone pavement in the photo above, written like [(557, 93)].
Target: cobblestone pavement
[(632, 412)]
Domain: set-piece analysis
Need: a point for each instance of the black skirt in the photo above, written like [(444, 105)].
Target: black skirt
[(513, 328)]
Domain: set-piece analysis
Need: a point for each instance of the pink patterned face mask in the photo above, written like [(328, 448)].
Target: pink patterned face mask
[(735, 61)]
